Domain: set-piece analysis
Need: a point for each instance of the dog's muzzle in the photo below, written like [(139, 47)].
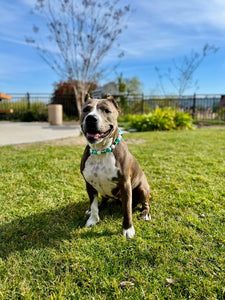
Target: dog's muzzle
[(91, 123), (92, 131)]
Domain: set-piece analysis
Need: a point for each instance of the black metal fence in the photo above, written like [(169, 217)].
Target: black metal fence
[(31, 107), (202, 107), (25, 107)]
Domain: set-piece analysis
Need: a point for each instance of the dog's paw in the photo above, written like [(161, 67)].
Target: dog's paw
[(92, 221), (147, 217), (88, 212), (129, 233)]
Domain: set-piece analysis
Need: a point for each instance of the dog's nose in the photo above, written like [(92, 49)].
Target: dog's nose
[(91, 119)]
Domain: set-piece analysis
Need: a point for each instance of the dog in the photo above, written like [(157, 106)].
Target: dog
[(107, 165)]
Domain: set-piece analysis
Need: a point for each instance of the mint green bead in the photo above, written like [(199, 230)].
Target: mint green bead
[(108, 149)]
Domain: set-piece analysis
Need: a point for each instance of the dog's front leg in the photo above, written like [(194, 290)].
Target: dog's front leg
[(93, 196), (126, 193)]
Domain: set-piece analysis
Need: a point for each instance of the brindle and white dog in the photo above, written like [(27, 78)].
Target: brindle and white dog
[(107, 166)]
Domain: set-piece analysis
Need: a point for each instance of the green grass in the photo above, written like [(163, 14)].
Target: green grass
[(47, 253), (209, 122)]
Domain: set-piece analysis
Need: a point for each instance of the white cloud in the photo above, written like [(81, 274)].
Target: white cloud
[(172, 28), (157, 30), (30, 3), (9, 13), (186, 13)]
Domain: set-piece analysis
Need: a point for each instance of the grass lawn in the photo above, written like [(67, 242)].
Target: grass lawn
[(47, 253)]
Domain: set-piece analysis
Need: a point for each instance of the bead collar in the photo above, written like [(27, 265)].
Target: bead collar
[(109, 149)]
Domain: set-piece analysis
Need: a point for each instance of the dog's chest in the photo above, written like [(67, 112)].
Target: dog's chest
[(101, 172)]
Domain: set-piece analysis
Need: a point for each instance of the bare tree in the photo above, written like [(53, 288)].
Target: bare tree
[(80, 33), (181, 75)]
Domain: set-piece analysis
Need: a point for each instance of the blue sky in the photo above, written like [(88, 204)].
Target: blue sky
[(158, 31)]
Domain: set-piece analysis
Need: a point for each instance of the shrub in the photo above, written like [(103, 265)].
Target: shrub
[(139, 106), (160, 119), (183, 120), (221, 114), (34, 115), (38, 111)]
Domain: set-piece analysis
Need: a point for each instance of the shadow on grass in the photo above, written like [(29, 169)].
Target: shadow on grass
[(47, 229)]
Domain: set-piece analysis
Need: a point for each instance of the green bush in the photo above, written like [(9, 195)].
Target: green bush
[(221, 114), (38, 111), (140, 106), (32, 115), (160, 119)]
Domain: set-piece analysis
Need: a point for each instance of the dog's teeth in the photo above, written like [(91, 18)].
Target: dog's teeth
[(97, 135), (94, 135)]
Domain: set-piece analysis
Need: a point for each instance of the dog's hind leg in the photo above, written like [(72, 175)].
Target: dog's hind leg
[(143, 194)]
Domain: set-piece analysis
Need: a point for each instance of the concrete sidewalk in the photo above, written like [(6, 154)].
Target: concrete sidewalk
[(18, 133)]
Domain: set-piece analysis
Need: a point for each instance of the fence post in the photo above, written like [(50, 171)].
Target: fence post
[(194, 106), (28, 100)]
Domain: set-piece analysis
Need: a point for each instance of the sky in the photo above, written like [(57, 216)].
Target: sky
[(158, 32)]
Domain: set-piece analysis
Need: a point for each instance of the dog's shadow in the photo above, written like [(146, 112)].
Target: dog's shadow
[(48, 228)]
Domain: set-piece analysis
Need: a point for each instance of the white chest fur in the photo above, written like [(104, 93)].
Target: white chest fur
[(101, 172)]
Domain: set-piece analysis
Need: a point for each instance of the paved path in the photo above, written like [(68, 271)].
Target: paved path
[(18, 133)]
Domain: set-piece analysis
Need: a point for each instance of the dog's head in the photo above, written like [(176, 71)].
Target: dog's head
[(99, 119)]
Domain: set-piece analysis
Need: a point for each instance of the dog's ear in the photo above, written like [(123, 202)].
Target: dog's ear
[(87, 97), (110, 98)]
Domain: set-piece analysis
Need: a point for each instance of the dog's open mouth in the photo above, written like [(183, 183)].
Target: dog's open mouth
[(97, 136)]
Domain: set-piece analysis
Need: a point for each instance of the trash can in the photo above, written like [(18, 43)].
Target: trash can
[(55, 114)]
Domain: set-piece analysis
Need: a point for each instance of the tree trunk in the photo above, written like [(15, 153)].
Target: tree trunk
[(79, 95), (77, 100), (79, 106)]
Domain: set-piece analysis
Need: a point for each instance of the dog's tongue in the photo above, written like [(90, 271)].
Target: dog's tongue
[(95, 135)]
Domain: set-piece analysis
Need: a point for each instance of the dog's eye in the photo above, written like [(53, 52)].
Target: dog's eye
[(107, 111), (86, 109)]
